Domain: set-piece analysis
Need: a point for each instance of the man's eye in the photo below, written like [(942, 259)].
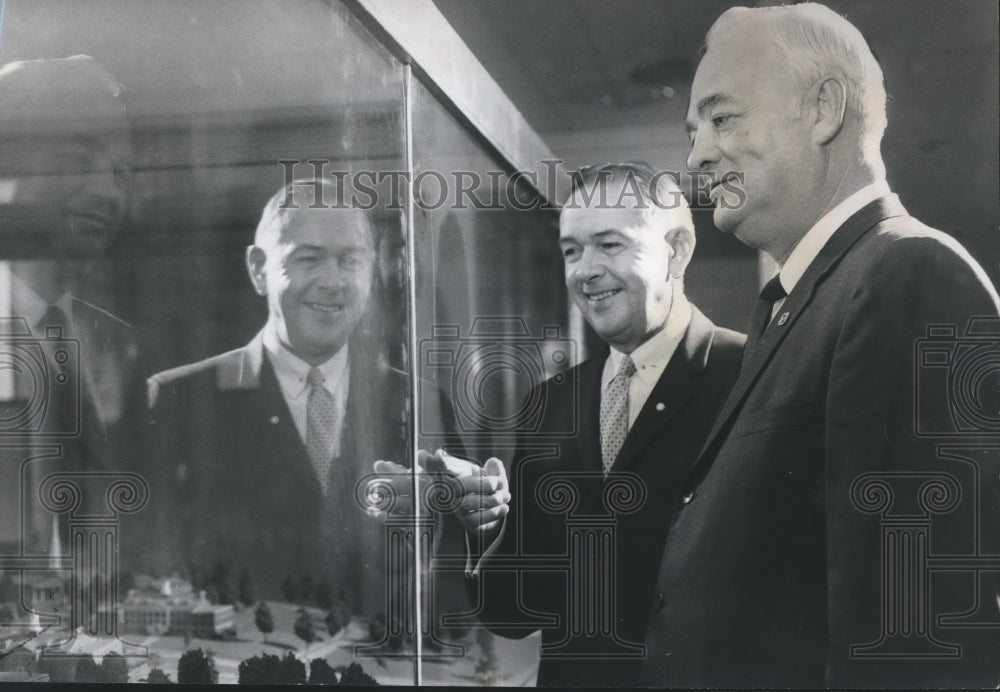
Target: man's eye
[(612, 246), (571, 253), (307, 259), (721, 120)]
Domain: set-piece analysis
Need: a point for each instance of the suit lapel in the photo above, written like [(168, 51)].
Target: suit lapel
[(250, 377), (589, 430), (676, 385), (838, 245)]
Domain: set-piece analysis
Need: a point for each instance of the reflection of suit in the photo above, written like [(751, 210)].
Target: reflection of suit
[(770, 571), (659, 448), (234, 484), (101, 372)]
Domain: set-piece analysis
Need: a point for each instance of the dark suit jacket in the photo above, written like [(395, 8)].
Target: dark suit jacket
[(773, 568), (234, 485), (97, 445), (658, 450)]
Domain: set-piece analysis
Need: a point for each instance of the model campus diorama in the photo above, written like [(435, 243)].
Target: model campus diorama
[(169, 631)]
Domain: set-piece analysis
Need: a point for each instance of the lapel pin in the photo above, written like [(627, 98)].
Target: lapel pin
[(660, 406), (274, 420), (783, 318)]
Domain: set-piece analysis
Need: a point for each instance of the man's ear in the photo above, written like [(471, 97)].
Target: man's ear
[(256, 259), (830, 100), (681, 242)]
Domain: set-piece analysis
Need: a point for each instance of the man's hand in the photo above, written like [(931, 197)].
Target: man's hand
[(483, 490), (482, 493)]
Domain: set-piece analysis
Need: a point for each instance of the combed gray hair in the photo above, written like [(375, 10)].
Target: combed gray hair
[(815, 41)]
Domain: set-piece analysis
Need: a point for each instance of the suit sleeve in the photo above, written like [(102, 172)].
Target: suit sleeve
[(892, 497)]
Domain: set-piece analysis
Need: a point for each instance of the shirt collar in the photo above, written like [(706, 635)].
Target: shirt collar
[(292, 371), (651, 356), (32, 307), (812, 242)]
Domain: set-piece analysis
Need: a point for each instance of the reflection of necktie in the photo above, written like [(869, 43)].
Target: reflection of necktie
[(614, 413), (321, 434), (61, 415), (772, 292)]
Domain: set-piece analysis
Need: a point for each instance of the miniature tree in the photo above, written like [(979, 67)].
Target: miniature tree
[(338, 617), (355, 676), (269, 669), (157, 677), (86, 670), (293, 671), (320, 673), (258, 670), (264, 620), (197, 666), (113, 670), (304, 627)]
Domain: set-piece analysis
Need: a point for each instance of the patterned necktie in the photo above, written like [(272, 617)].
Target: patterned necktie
[(772, 292), (614, 414), (321, 432)]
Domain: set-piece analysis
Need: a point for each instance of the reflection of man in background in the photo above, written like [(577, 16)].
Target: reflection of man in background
[(64, 150), (259, 450), (644, 407), (773, 569)]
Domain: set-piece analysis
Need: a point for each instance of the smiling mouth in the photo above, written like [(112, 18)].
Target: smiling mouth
[(602, 296), (328, 309)]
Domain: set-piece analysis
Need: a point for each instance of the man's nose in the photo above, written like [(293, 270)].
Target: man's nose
[(703, 150), (590, 266), (329, 275)]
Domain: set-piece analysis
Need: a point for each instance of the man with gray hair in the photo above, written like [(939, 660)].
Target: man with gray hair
[(802, 551)]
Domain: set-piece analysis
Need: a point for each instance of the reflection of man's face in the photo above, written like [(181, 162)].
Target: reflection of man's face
[(71, 193), (317, 277), (743, 118), (617, 267)]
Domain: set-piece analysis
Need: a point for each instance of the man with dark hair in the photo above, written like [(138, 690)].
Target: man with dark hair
[(257, 452), (802, 551), (617, 435)]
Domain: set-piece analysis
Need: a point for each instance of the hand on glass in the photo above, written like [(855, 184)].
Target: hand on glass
[(481, 492)]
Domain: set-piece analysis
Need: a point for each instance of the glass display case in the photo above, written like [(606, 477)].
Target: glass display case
[(228, 229)]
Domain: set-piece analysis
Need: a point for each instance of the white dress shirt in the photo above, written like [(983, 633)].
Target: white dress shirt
[(650, 357), (808, 248), (100, 369), (292, 371)]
